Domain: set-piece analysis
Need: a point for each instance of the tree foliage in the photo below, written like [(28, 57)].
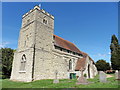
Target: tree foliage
[(102, 65), (115, 53), (6, 60)]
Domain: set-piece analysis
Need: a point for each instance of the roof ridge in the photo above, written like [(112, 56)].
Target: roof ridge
[(65, 40)]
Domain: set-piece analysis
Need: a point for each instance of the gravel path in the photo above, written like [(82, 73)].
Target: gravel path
[(108, 76)]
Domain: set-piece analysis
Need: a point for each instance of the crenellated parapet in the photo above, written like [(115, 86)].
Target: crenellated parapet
[(41, 10)]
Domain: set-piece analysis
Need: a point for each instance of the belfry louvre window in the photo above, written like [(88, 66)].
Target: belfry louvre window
[(45, 21), (23, 63)]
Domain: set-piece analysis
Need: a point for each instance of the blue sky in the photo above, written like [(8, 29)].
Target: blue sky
[(88, 25)]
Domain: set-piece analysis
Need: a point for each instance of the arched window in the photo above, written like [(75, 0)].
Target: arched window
[(23, 63), (70, 64), (44, 21)]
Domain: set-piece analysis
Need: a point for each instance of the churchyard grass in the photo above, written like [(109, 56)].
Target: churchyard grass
[(64, 83), (0, 74)]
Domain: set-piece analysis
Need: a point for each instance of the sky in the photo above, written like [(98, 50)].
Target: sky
[(89, 25)]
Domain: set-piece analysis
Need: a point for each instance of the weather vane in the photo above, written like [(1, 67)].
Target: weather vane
[(40, 5)]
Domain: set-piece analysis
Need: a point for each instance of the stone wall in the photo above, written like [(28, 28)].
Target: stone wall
[(25, 75), (43, 67), (25, 47), (92, 69), (61, 63)]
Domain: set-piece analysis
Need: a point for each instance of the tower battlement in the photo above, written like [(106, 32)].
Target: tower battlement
[(41, 10)]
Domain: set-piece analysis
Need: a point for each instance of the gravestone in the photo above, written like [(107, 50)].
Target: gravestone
[(56, 80), (82, 79), (102, 76), (117, 75)]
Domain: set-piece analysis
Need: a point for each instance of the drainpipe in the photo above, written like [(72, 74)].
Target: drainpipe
[(33, 63), (35, 27)]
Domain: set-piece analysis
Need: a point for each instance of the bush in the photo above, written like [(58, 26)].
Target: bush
[(102, 65), (6, 61), (85, 75)]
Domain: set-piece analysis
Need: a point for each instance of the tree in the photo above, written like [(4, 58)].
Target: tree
[(102, 65), (108, 67), (7, 58), (115, 53)]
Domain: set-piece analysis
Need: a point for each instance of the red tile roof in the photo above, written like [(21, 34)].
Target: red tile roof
[(80, 63), (66, 44), (70, 46)]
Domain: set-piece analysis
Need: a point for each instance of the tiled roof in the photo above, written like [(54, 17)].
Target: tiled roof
[(58, 41), (80, 63), (66, 44)]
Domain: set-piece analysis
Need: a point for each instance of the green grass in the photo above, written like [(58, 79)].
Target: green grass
[(0, 74), (64, 83)]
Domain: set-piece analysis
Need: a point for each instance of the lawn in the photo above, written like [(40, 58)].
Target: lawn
[(64, 83)]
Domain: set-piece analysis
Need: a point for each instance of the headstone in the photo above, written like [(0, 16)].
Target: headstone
[(56, 80), (117, 74), (82, 79), (102, 76)]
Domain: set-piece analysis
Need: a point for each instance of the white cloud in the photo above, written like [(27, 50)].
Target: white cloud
[(109, 53), (98, 56), (101, 55), (4, 44)]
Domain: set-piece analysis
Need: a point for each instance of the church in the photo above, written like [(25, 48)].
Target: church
[(41, 54)]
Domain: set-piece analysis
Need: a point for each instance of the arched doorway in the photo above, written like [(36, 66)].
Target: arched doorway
[(88, 70)]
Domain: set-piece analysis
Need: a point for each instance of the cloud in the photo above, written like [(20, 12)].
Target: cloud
[(109, 53), (4, 44), (101, 55), (105, 56)]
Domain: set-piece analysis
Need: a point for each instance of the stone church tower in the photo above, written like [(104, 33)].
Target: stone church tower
[(33, 59), (43, 55)]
